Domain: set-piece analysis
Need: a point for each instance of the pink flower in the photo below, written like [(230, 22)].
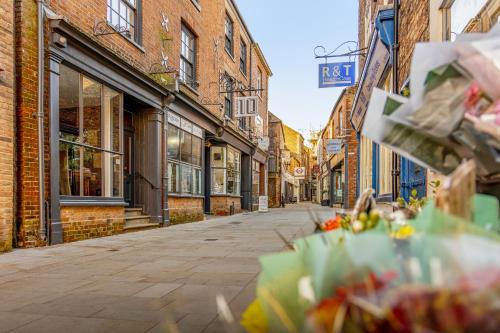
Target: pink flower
[(472, 96)]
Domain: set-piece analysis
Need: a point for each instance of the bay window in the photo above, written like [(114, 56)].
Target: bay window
[(184, 162), (226, 170), (90, 122)]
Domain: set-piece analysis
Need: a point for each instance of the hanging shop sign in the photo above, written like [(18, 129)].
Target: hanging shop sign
[(299, 172), (341, 74), (247, 106), (378, 59), (333, 146), (263, 143)]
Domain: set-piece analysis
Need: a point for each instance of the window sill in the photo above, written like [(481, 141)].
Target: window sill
[(197, 5), (191, 89), (131, 41), (226, 195), (187, 196), (92, 202), (230, 55)]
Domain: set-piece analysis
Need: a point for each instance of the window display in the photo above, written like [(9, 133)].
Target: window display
[(184, 162), (226, 172), (90, 122)]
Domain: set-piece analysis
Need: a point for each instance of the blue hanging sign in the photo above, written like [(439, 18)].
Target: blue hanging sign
[(340, 74)]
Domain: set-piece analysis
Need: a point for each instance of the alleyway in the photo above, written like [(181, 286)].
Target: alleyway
[(133, 282)]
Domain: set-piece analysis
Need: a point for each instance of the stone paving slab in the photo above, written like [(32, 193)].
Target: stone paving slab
[(161, 280)]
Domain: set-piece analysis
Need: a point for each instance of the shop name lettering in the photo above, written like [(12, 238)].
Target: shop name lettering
[(336, 75)]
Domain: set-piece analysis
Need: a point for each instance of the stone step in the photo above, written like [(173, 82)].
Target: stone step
[(138, 219), (129, 212), (140, 226)]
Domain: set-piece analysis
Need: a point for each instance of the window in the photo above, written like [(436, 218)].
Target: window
[(229, 35), (259, 83), (184, 162), (90, 122), (255, 181), (188, 57), (122, 14), (243, 57), (226, 170), (242, 123), (228, 106)]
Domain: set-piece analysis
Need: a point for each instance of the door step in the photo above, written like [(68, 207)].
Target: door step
[(136, 220)]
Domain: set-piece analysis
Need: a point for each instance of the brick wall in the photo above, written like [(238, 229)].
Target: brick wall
[(207, 24), (413, 28), (7, 138), (81, 223), (352, 151), (220, 205), (184, 210), (275, 192)]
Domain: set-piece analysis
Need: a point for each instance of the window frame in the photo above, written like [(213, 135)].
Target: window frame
[(259, 82), (185, 30), (237, 170), (182, 164), (106, 153), (243, 57), (136, 37), (229, 35)]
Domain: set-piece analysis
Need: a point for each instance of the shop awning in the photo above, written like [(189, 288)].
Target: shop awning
[(376, 65)]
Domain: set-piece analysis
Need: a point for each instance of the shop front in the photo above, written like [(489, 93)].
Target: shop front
[(375, 162), (184, 170), (105, 141)]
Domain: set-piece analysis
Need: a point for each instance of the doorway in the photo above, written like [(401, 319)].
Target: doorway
[(128, 157)]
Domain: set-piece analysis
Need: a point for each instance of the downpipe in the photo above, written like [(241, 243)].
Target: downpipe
[(42, 230)]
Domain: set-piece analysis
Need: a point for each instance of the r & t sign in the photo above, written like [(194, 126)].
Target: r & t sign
[(341, 74)]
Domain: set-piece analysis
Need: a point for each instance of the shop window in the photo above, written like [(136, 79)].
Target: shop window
[(90, 122), (184, 162), (226, 170), (255, 181), (123, 15), (188, 57)]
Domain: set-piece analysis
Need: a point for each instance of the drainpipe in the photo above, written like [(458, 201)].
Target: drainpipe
[(395, 89), (40, 117)]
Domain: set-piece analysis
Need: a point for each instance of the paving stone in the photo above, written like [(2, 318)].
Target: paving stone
[(158, 290), (153, 275)]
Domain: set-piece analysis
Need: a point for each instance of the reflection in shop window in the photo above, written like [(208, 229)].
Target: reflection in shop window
[(90, 122)]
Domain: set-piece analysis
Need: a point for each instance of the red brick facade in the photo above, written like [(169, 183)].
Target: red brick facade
[(81, 223), (221, 205), (183, 210), (205, 21), (7, 138), (340, 116)]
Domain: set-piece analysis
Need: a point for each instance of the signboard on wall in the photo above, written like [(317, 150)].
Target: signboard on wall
[(174, 119), (333, 146), (299, 172), (372, 74), (263, 143), (340, 74), (247, 106)]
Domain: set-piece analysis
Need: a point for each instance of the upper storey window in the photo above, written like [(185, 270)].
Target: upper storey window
[(229, 33), (123, 14)]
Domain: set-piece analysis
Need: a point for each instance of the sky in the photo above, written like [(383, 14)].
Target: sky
[(287, 32)]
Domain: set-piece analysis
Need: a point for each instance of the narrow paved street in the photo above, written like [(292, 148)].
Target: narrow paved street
[(134, 282)]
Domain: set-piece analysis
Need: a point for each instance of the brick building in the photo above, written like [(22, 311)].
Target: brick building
[(337, 181), (275, 161), (7, 136), (135, 125), (296, 168)]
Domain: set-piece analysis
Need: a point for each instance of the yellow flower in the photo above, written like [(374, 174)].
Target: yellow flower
[(254, 319), (404, 232)]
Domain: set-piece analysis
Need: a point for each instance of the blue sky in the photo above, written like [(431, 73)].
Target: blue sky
[(288, 31)]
